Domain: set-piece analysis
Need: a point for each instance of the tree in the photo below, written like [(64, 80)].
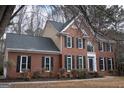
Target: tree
[(5, 15)]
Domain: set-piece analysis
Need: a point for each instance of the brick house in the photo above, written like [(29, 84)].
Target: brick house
[(62, 46)]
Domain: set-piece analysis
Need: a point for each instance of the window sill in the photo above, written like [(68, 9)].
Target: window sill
[(68, 70), (68, 47), (80, 48), (47, 71), (102, 70)]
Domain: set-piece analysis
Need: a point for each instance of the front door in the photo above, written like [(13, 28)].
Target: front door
[(91, 64)]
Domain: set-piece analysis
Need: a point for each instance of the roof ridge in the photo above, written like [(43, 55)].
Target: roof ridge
[(28, 35)]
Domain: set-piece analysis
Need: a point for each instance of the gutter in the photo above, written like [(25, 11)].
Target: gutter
[(32, 50)]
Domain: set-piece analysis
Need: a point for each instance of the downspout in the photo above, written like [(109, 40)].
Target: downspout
[(5, 64)]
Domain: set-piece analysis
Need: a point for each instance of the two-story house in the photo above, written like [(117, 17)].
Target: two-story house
[(72, 45)]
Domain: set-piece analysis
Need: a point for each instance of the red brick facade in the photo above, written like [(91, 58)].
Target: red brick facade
[(59, 59), (36, 63)]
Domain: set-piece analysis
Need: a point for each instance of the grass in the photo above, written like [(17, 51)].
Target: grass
[(116, 82)]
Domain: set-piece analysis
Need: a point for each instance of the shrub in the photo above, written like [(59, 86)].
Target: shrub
[(27, 75), (82, 74), (95, 74), (62, 73), (74, 73), (100, 74), (1, 70), (36, 74)]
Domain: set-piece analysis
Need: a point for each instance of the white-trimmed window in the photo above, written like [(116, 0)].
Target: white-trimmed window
[(109, 47), (80, 62), (101, 64), (69, 42), (80, 43), (47, 63), (24, 63), (90, 47), (110, 65), (69, 63), (101, 48)]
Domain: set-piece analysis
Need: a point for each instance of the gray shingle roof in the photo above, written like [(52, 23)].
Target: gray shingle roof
[(57, 25), (30, 42), (60, 26)]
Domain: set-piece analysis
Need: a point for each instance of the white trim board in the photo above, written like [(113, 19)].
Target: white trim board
[(92, 54), (32, 50)]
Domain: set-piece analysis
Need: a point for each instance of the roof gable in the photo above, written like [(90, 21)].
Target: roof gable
[(60, 26)]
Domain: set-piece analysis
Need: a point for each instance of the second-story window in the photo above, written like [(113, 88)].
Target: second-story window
[(89, 47), (80, 43), (109, 47), (69, 41), (100, 46)]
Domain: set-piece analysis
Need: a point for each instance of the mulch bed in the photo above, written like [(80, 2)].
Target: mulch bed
[(38, 79)]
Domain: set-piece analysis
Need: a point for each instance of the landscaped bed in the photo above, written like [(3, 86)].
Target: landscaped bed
[(114, 82)]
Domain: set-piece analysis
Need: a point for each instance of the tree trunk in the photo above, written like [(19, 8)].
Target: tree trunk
[(5, 15)]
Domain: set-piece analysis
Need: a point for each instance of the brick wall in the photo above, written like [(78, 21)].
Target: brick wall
[(36, 62)]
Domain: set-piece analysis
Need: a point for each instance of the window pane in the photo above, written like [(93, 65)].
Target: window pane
[(90, 64), (101, 65), (80, 62), (69, 63), (47, 64), (79, 43), (109, 64), (69, 41), (23, 60), (23, 65), (90, 48)]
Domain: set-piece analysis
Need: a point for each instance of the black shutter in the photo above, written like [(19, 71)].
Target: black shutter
[(111, 47), (84, 61), (65, 57), (18, 64), (105, 64), (72, 42), (29, 62), (77, 62), (76, 42), (99, 46), (113, 64), (100, 64), (43, 62), (73, 64), (106, 46), (65, 41), (83, 43), (51, 63)]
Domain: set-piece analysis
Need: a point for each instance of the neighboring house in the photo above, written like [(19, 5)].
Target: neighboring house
[(62, 46)]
